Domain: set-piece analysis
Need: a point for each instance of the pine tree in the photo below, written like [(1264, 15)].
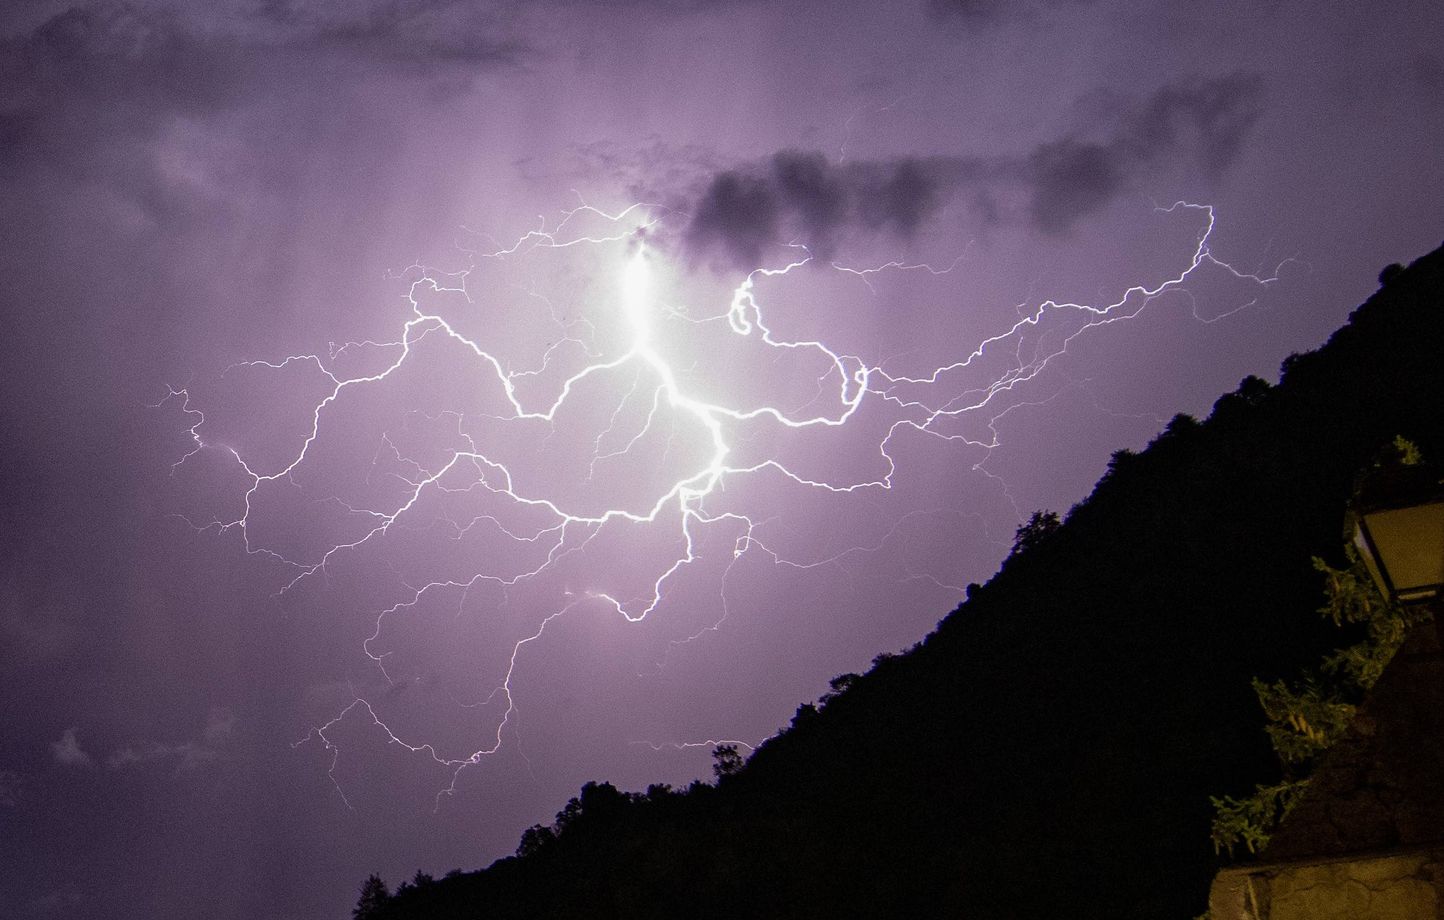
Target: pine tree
[(374, 896)]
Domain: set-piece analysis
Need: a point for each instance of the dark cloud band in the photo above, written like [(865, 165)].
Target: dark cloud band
[(804, 197), (742, 212)]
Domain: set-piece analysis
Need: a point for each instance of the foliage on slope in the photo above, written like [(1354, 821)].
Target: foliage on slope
[(1308, 714)]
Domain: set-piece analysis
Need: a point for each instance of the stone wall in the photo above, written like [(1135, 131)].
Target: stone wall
[(1394, 886)]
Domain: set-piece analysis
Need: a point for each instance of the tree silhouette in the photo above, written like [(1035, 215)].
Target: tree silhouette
[(1038, 527), (535, 839), (727, 760), (374, 896)]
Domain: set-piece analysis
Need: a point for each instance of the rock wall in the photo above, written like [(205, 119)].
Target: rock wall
[(1399, 886)]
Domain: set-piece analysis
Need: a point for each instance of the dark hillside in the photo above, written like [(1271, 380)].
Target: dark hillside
[(1049, 751)]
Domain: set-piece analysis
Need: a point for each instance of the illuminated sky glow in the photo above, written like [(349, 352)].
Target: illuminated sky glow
[(629, 373), (420, 409)]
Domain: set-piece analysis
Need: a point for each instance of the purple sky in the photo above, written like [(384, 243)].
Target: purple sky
[(197, 719)]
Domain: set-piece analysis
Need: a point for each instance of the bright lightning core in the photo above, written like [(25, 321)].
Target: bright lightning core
[(637, 297), (544, 436)]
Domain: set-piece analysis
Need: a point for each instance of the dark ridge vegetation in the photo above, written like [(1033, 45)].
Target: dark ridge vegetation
[(1050, 750)]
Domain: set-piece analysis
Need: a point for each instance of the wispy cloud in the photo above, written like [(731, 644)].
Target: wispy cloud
[(68, 752), (210, 746)]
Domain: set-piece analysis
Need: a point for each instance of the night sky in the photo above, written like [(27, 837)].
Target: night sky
[(699, 352)]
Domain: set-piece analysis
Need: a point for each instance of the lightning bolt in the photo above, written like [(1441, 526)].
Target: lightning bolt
[(626, 340)]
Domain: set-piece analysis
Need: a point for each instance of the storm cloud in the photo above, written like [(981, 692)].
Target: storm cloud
[(129, 69), (1205, 121), (743, 212), (805, 198)]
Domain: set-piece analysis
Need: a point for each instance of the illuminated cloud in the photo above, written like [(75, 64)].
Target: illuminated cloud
[(67, 750), (214, 738)]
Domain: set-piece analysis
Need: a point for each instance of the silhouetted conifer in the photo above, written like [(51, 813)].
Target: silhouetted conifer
[(374, 897)]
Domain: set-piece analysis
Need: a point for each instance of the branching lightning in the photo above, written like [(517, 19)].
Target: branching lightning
[(917, 401)]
